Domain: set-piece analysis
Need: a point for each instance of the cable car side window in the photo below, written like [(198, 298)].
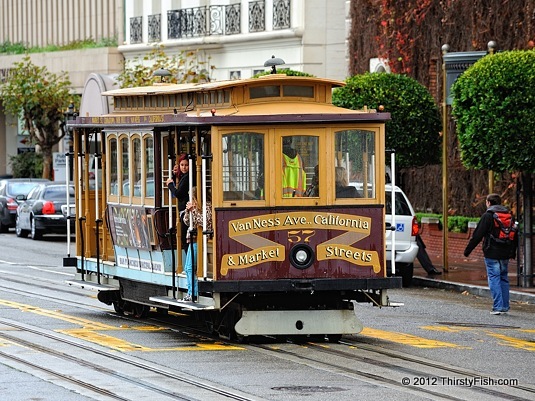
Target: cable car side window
[(136, 166), (125, 184), (114, 167), (149, 167), (243, 166), (355, 168)]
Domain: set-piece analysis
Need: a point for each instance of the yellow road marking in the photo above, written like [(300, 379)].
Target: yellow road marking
[(514, 342), (407, 339), (446, 329), (89, 332)]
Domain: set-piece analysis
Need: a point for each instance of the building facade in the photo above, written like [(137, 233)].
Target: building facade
[(38, 24), (236, 37)]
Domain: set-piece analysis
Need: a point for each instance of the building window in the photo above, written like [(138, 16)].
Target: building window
[(136, 30), (281, 14), (155, 27), (257, 16)]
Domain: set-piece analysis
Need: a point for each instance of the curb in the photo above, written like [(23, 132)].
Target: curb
[(479, 290)]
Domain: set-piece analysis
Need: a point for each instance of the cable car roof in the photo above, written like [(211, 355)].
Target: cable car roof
[(165, 88)]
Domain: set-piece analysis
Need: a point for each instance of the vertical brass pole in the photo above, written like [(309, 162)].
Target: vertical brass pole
[(491, 46), (445, 49)]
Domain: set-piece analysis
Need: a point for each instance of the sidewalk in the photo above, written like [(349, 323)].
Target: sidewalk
[(471, 277)]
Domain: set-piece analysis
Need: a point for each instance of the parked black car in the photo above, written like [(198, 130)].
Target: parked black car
[(44, 210), (9, 189)]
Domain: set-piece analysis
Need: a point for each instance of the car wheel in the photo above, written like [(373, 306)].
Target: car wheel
[(3, 227), (18, 230), (34, 233)]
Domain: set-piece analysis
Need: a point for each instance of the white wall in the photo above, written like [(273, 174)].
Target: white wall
[(315, 43)]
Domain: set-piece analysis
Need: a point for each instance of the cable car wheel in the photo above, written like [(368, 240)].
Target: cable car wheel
[(119, 307)]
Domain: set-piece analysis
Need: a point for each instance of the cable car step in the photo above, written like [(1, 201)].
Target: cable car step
[(88, 285), (182, 304)]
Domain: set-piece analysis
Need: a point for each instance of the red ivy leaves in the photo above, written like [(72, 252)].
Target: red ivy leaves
[(395, 41)]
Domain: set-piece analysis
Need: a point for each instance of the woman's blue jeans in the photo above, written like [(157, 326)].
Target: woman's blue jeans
[(188, 268), (498, 283)]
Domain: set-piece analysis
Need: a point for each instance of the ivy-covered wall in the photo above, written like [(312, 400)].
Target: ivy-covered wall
[(410, 34)]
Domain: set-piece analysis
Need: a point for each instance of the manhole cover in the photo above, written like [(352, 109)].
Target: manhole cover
[(308, 389), (489, 326)]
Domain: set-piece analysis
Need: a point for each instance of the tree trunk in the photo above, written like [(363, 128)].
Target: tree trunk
[(47, 163)]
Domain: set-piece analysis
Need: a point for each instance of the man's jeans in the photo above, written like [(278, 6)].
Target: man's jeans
[(498, 283)]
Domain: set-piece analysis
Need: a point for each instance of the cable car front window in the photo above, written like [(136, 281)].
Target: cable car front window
[(300, 165), (355, 167), (243, 166)]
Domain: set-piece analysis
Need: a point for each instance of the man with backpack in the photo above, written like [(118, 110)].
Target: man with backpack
[(497, 228)]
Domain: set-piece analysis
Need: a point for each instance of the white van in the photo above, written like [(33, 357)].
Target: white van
[(406, 248)]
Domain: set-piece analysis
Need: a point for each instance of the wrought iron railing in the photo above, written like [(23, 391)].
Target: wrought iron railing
[(136, 30), (211, 20), (155, 28), (257, 16), (281, 14)]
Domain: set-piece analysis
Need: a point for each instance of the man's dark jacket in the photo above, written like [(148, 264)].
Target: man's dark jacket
[(491, 249)]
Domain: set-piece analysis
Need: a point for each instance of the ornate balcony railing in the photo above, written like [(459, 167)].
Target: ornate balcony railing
[(204, 21), (281, 14), (155, 28), (257, 16), (210, 20), (136, 30)]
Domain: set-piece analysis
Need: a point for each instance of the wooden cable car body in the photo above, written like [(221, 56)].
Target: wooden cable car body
[(279, 260)]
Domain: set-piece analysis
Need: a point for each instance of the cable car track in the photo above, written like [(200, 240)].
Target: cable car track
[(337, 358), (211, 391), (407, 366)]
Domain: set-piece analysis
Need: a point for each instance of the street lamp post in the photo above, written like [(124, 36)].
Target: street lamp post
[(453, 65), (491, 47), (445, 49), (273, 62), (70, 115)]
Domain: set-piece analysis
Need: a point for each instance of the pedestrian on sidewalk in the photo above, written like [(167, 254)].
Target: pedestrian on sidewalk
[(424, 259), (496, 253)]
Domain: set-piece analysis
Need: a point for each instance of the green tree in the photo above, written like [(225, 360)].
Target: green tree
[(494, 108), (414, 128), (27, 164), (40, 98), (185, 67)]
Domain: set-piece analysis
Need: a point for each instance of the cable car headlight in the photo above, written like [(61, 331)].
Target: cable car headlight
[(301, 256)]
